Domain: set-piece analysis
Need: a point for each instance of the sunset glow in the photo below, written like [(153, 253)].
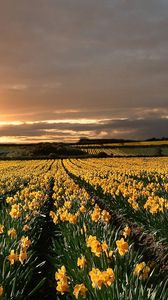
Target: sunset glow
[(72, 69)]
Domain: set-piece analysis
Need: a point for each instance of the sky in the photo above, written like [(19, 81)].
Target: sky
[(83, 68)]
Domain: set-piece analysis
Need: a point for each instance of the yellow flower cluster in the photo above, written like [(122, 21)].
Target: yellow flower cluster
[(62, 280), (142, 270), (80, 290), (63, 284), (22, 256), (132, 179), (70, 200), (99, 278), (31, 186), (156, 204), (100, 215), (15, 212), (96, 247)]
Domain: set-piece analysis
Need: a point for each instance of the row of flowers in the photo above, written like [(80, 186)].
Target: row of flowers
[(141, 182), (17, 215), (137, 188), (94, 257)]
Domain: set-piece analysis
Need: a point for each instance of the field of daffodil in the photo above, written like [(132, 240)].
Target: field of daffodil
[(127, 149), (84, 229)]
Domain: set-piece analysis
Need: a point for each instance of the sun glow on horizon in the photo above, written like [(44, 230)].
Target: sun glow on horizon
[(59, 121)]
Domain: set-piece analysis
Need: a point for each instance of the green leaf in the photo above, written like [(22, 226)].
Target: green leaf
[(38, 286)]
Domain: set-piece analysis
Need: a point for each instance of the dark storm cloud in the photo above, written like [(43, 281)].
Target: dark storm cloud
[(97, 59), (126, 128)]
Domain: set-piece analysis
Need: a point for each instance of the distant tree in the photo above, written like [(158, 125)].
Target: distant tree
[(83, 140), (102, 154)]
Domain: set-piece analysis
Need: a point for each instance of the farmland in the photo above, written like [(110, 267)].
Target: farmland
[(127, 149), (93, 228), (86, 148)]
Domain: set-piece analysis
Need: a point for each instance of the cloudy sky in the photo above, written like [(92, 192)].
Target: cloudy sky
[(74, 68)]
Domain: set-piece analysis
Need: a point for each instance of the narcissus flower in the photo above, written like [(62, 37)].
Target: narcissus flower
[(108, 277), (122, 246), (62, 286), (95, 245), (96, 278), (22, 256), (104, 247), (12, 232), (72, 218), (26, 227), (81, 262), (82, 209), (62, 278), (25, 242), (54, 217), (105, 216), (81, 290), (12, 257), (99, 278), (126, 231), (61, 273), (64, 216), (10, 200), (1, 228), (15, 212), (68, 204), (142, 270), (95, 216)]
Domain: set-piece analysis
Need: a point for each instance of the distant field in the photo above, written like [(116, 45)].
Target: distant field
[(61, 150), (127, 149), (139, 143), (143, 143)]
